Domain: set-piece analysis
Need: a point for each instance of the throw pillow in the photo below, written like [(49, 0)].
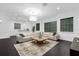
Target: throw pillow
[(22, 35)]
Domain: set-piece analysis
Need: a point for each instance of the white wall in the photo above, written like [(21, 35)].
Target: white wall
[(7, 26), (69, 35), (24, 25), (4, 27), (65, 35)]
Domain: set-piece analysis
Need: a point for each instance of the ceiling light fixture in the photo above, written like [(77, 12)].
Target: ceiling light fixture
[(58, 8), (0, 21), (33, 18), (32, 11)]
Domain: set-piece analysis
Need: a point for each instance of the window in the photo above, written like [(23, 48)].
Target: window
[(17, 26), (50, 26), (66, 24), (37, 26)]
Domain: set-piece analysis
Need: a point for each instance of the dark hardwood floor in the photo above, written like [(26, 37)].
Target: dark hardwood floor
[(7, 48), (62, 49)]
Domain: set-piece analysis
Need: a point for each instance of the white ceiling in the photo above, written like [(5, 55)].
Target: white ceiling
[(15, 10)]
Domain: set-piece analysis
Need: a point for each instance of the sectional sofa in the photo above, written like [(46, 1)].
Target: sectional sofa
[(27, 37)]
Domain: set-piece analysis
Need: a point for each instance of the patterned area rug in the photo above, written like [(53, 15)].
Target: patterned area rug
[(31, 49)]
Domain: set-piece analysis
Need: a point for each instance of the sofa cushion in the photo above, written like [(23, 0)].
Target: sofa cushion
[(53, 38), (23, 39), (46, 34)]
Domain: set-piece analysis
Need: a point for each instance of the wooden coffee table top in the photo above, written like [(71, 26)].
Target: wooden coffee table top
[(39, 39)]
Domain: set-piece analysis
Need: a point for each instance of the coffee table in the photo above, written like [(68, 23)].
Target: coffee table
[(39, 40)]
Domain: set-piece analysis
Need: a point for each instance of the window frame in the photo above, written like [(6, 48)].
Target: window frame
[(50, 27), (17, 26), (66, 24), (37, 26)]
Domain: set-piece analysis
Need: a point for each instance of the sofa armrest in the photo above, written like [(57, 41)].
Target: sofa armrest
[(23, 39)]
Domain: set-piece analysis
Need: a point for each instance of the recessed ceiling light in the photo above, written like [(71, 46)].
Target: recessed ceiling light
[(0, 21), (58, 8)]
